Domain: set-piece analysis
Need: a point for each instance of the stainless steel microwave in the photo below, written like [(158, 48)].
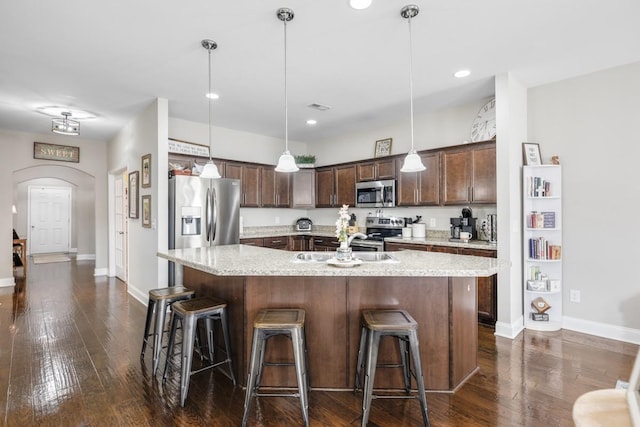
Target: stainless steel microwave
[(376, 194)]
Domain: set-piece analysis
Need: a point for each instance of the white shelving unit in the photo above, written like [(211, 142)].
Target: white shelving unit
[(542, 245)]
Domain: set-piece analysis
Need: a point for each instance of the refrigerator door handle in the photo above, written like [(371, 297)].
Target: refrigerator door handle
[(207, 215), (214, 217)]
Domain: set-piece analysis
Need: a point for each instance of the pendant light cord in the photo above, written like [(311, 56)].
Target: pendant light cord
[(209, 98), (411, 79), (286, 105)]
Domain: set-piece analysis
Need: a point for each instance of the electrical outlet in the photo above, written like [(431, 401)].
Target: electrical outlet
[(432, 222), (575, 295)]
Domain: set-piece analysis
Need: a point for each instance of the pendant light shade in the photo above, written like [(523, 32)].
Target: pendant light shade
[(210, 170), (286, 162), (412, 163)]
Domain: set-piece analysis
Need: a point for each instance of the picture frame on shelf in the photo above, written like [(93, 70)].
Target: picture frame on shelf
[(146, 211), (146, 171), (531, 154), (134, 178), (383, 147)]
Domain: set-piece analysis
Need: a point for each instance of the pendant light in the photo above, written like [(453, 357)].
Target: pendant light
[(286, 162), (65, 126), (210, 170), (412, 163)]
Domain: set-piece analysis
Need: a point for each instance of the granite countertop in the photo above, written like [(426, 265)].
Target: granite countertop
[(245, 260)]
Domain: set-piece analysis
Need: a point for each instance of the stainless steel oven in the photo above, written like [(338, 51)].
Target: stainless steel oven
[(377, 229)]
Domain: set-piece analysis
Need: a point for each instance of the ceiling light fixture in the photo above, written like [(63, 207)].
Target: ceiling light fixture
[(359, 4), (210, 170), (461, 73), (286, 162), (65, 126), (412, 163), (312, 122)]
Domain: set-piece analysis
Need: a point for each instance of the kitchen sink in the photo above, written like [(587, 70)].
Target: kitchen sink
[(362, 256)]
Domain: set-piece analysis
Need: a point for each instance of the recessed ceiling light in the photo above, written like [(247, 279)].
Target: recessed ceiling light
[(462, 73), (212, 96), (359, 4), (312, 121)]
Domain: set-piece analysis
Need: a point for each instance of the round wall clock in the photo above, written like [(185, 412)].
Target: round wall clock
[(484, 125)]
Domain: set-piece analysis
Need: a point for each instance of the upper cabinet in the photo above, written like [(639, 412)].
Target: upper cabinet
[(378, 169), (249, 176), (469, 175), (336, 186), (303, 189), (275, 187), (420, 188)]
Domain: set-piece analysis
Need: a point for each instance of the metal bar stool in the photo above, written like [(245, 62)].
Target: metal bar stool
[(159, 300), (399, 324), (188, 313), (269, 323)]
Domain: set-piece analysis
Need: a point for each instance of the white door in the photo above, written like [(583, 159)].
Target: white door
[(49, 219), (120, 237)]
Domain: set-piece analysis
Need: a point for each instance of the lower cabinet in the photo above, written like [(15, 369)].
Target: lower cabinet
[(487, 286), (324, 243), (254, 241), (299, 243)]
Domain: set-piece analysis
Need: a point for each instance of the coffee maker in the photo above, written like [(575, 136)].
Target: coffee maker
[(464, 223)]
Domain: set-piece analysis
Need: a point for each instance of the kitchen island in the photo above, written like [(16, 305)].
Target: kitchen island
[(439, 290)]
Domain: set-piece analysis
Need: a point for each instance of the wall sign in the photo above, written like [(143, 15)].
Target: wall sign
[(189, 148), (62, 153)]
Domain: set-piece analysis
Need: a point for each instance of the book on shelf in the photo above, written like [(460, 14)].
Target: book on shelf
[(538, 187), (537, 219), (540, 248), (540, 317)]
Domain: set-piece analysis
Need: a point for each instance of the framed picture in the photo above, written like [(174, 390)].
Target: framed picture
[(383, 147), (146, 171), (531, 154), (133, 194), (146, 211)]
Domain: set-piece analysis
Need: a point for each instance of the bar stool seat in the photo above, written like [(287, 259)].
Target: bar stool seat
[(399, 324), (188, 312), (269, 323), (159, 300)]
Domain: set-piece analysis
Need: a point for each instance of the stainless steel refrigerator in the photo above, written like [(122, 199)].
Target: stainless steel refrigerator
[(202, 212)]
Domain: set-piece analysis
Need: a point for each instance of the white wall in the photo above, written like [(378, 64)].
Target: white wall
[(591, 122), (18, 166), (145, 134)]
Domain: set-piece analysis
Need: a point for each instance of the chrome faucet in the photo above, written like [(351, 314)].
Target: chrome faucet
[(353, 236)]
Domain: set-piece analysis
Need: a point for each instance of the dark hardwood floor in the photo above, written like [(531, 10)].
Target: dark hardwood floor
[(70, 356)]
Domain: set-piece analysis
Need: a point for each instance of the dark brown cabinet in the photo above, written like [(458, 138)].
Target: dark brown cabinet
[(324, 243), (378, 169), (420, 188), (487, 286), (299, 243), (249, 176), (275, 188), (252, 241), (278, 242), (336, 186), (469, 175), (303, 189)]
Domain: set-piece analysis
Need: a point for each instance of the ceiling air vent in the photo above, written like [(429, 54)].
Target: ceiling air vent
[(319, 107)]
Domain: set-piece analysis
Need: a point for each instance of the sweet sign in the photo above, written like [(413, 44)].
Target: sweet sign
[(63, 153)]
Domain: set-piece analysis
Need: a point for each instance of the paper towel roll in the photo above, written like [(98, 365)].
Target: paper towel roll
[(419, 230)]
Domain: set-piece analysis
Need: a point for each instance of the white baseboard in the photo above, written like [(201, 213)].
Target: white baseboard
[(100, 271), (510, 331), (614, 332), (143, 297), (85, 257), (5, 282)]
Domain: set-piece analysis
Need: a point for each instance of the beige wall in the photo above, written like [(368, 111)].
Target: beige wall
[(591, 122)]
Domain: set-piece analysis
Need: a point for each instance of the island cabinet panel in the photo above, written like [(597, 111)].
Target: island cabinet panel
[(422, 298), (444, 307)]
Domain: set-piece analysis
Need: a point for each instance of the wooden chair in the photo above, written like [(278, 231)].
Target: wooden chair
[(611, 407), (19, 253)]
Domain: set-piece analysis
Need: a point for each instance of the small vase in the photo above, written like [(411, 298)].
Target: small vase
[(343, 253)]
